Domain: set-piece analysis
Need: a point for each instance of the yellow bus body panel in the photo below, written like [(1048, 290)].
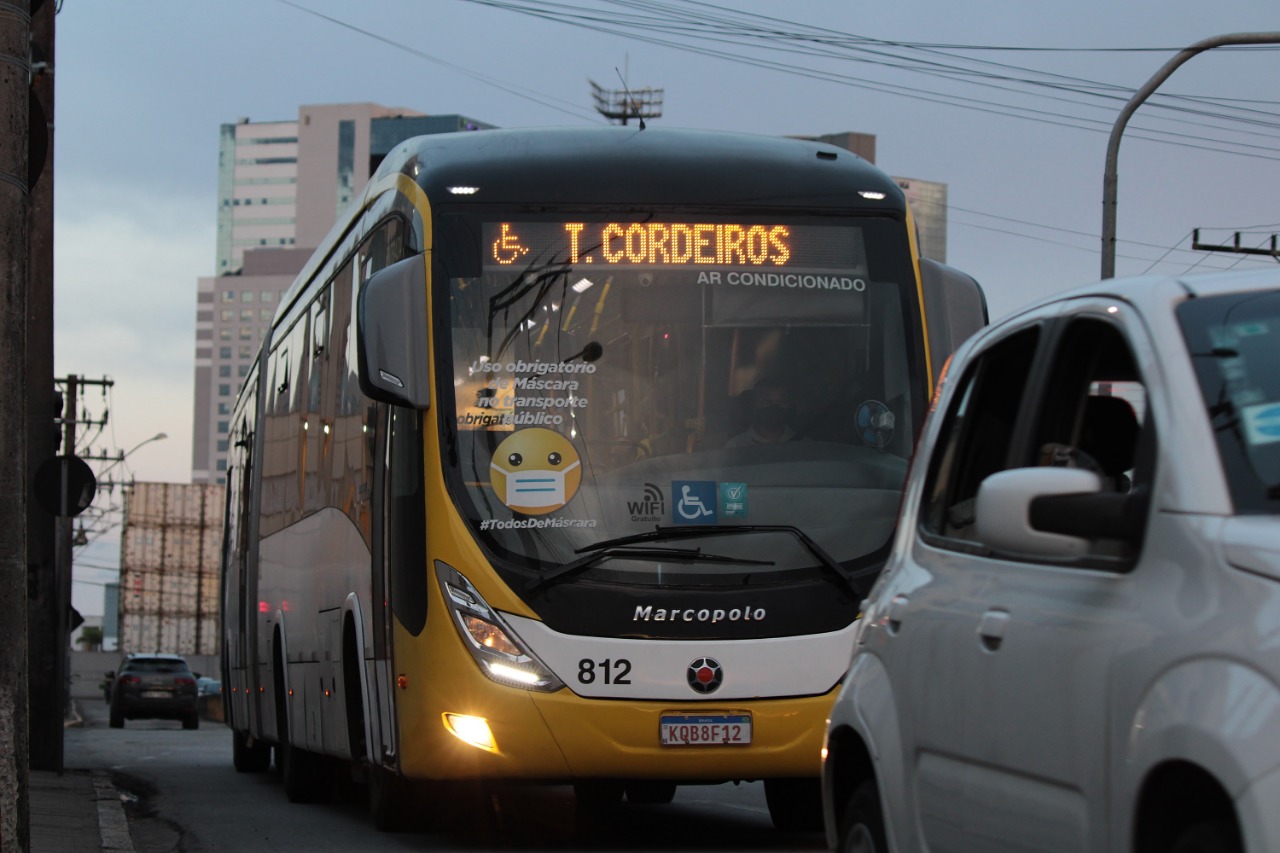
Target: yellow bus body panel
[(561, 736), (604, 738)]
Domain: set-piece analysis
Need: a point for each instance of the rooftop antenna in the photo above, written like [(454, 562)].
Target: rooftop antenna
[(623, 105)]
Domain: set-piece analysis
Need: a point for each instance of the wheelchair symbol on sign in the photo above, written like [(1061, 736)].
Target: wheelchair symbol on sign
[(507, 248), (690, 506)]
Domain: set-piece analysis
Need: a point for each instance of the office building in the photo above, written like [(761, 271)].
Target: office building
[(928, 200), (281, 185)]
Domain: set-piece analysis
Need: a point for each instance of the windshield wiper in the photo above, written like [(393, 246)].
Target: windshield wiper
[(661, 533), (600, 551)]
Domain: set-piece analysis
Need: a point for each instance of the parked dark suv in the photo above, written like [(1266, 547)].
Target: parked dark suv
[(154, 687)]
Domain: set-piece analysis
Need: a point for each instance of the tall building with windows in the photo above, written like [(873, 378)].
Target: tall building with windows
[(928, 200), (281, 185)]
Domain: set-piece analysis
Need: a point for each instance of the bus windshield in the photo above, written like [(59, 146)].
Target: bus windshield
[(613, 376)]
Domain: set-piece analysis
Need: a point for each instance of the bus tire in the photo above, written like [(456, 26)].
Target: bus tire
[(353, 693), (390, 800), (795, 805), (306, 775), (246, 758)]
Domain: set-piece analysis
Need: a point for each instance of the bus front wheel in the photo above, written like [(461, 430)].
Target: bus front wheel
[(247, 758), (390, 800)]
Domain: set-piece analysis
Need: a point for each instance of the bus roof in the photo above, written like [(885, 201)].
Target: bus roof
[(623, 166)]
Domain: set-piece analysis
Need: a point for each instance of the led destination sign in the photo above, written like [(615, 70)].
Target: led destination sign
[(672, 244)]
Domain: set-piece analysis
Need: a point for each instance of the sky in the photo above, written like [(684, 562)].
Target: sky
[(1017, 133)]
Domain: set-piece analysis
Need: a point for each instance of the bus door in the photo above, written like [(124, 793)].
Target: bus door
[(403, 561), (400, 570), (379, 663)]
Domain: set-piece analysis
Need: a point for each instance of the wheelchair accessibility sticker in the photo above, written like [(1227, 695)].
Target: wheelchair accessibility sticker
[(693, 501)]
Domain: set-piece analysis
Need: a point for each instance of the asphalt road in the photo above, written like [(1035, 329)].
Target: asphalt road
[(184, 795)]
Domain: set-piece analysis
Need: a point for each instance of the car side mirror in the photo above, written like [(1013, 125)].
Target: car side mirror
[(392, 334), (1051, 512), (197, 675)]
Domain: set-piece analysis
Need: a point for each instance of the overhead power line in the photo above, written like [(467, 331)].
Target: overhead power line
[(548, 101), (663, 23), (707, 29)]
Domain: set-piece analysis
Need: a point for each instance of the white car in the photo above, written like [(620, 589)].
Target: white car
[(1075, 645)]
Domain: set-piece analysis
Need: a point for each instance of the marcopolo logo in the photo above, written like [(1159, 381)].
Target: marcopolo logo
[(705, 675), (649, 613)]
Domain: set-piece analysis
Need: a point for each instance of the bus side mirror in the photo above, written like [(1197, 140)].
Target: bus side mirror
[(392, 335)]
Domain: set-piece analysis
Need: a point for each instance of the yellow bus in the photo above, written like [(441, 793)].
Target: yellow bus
[(569, 457)]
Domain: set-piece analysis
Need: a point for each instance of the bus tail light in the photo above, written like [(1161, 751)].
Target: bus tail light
[(497, 649)]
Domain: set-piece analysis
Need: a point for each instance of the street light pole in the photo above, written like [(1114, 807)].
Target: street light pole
[(123, 456), (1109, 177)]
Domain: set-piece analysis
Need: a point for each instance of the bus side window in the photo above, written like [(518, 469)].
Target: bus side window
[(319, 348), (275, 426), (382, 247)]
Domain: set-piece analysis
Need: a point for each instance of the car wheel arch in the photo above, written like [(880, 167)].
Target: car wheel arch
[(1174, 797), (864, 742), (850, 764), (1173, 722)]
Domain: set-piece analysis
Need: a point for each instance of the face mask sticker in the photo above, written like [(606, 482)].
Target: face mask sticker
[(535, 471)]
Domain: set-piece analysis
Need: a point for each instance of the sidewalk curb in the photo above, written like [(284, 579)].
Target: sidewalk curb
[(113, 825)]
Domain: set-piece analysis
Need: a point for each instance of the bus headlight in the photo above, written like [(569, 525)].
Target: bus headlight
[(496, 648)]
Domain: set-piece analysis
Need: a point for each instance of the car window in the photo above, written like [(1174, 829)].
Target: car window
[(1234, 341), (157, 667), (977, 433), (1087, 411), (1092, 415)]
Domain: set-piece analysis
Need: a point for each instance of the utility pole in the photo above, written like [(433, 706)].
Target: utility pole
[(66, 486), (15, 72), (43, 655), (56, 693)]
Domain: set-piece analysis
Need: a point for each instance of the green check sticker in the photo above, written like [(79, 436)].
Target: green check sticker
[(733, 500)]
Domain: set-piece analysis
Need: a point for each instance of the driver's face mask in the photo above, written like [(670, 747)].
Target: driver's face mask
[(535, 489)]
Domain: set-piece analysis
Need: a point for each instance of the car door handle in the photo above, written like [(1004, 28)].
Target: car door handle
[(991, 629), (897, 609)]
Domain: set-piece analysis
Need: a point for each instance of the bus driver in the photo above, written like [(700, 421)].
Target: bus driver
[(771, 411)]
